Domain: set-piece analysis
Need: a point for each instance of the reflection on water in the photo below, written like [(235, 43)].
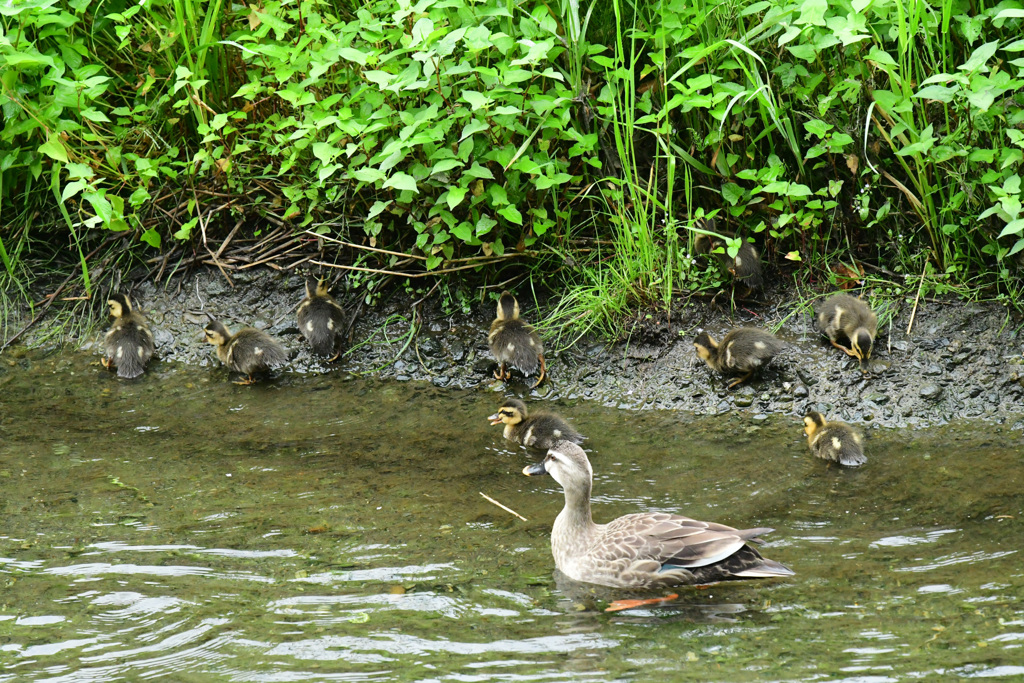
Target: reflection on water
[(321, 530)]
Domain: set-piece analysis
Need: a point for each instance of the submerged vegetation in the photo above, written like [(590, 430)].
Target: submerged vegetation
[(566, 144)]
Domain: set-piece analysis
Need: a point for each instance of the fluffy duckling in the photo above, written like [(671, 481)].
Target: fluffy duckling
[(745, 267), (128, 344), (320, 318), (742, 350), (250, 351), (645, 549), (514, 342), (540, 430), (835, 441), (845, 315)]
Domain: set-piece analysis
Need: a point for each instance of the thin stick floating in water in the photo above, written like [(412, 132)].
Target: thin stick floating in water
[(506, 509)]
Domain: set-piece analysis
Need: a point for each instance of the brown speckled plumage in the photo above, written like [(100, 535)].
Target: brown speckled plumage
[(834, 441), (745, 267), (514, 343), (320, 318), (249, 351), (743, 350), (128, 344), (642, 550), (845, 316), (537, 430)]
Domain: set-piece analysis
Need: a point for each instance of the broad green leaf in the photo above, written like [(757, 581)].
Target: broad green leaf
[(939, 93), (368, 175), (1013, 228), (812, 12), (455, 197), (353, 55), (71, 189), (54, 149), (402, 181), (511, 214), (485, 225), (151, 237), (804, 52), (445, 165), (980, 56), (476, 99), (881, 57), (474, 126), (478, 171)]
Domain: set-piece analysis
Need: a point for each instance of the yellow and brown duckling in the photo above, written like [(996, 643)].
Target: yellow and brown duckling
[(514, 343), (845, 316), (538, 430), (320, 318), (742, 351), (128, 344), (249, 351), (835, 441), (745, 267)]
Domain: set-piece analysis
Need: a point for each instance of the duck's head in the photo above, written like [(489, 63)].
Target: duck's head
[(215, 333), (316, 287), (567, 464), (813, 421), (862, 342), (705, 345), (508, 307), (120, 305), (511, 412)]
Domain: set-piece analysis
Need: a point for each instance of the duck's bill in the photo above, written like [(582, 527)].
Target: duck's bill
[(535, 470), (495, 419)]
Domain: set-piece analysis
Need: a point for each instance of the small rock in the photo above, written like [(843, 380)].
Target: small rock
[(877, 398), (458, 351), (800, 391), (932, 370), (930, 391), (744, 401)]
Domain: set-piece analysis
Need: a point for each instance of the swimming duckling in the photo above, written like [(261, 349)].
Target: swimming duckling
[(742, 350), (845, 315), (644, 549), (835, 441), (540, 430), (745, 267), (128, 343), (514, 342), (250, 351), (320, 318)]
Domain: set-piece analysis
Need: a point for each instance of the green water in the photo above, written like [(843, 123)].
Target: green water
[(320, 530)]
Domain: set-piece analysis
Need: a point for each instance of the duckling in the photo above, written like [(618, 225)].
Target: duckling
[(540, 430), (835, 441), (745, 267), (320, 318), (514, 342), (742, 350), (129, 342), (250, 351), (844, 315)]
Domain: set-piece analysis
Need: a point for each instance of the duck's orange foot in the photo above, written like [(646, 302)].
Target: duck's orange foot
[(620, 605)]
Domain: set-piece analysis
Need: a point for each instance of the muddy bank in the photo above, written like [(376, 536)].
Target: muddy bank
[(959, 361)]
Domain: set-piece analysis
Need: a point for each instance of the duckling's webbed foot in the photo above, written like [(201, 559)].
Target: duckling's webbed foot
[(741, 380), (543, 373), (502, 372), (848, 352), (247, 381), (105, 362)]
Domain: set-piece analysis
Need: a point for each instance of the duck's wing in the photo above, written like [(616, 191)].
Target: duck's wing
[(677, 541)]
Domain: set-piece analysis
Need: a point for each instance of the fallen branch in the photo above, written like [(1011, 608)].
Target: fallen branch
[(506, 509)]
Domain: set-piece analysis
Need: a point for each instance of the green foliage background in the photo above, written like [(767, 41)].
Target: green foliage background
[(454, 130)]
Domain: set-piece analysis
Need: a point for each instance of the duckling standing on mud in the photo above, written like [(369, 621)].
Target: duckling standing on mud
[(320, 318), (844, 315), (835, 441), (539, 430), (250, 351), (515, 343), (128, 343), (743, 350), (745, 267)]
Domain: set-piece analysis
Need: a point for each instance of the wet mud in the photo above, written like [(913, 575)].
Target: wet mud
[(958, 361)]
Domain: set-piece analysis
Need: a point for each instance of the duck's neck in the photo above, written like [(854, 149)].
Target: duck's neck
[(575, 517)]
